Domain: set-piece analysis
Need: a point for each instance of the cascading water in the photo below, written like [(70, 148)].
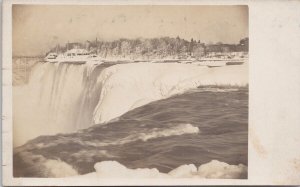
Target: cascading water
[(167, 115), (63, 98), (59, 98)]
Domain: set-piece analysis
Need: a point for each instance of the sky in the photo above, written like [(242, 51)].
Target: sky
[(37, 28)]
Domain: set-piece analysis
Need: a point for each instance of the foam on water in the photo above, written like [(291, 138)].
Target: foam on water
[(155, 133), (143, 136), (42, 167)]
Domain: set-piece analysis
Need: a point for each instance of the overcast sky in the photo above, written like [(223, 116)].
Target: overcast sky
[(37, 28)]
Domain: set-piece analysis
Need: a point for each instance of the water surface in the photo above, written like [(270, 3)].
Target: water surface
[(162, 135)]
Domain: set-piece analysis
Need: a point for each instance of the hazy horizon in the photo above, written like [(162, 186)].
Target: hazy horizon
[(37, 28)]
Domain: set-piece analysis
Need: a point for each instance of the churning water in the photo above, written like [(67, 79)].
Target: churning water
[(54, 111), (196, 127)]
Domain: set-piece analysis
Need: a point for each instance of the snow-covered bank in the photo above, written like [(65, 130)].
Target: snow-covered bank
[(211, 170), (128, 86), (57, 168), (63, 98)]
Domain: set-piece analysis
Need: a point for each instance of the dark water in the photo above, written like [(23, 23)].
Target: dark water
[(221, 114)]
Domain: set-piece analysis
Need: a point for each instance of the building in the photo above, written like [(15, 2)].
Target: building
[(198, 50)]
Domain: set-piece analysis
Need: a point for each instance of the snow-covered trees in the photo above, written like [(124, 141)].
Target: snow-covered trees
[(156, 47)]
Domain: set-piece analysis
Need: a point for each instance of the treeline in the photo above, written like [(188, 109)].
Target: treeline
[(155, 47)]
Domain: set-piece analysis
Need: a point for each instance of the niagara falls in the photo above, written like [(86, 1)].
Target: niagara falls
[(163, 95), (178, 111)]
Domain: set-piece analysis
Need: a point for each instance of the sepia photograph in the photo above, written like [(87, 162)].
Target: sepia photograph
[(150, 92), (130, 91)]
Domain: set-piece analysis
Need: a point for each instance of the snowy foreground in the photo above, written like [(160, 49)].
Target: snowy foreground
[(128, 86), (113, 169), (214, 169)]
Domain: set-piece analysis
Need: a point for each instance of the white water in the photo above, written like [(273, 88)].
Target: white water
[(49, 167), (143, 136), (59, 98), (62, 98), (155, 133)]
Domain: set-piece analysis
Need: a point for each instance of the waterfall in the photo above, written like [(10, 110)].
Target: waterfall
[(59, 98), (63, 98)]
